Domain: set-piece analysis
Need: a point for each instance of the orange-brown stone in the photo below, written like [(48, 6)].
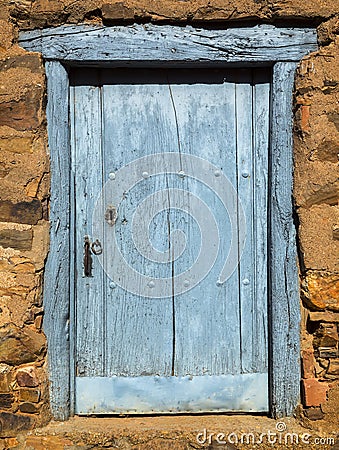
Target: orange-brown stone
[(321, 291), (305, 115), (23, 114), (308, 363), (20, 346), (314, 392)]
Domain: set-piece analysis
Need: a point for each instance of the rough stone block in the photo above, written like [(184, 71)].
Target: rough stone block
[(314, 392), (23, 266), (20, 346), (24, 114), (29, 395), (24, 175), (327, 352), (32, 187), (320, 252), (6, 378), (6, 400), (321, 290), (326, 193), (326, 316), (13, 351), (23, 212), (12, 424), (28, 408), (31, 61), (27, 377), (326, 335), (317, 180), (38, 322), (308, 363), (20, 240), (333, 368)]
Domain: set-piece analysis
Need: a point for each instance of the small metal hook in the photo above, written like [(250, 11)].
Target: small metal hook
[(97, 244)]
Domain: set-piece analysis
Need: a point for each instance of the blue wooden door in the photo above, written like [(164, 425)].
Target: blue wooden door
[(170, 183)]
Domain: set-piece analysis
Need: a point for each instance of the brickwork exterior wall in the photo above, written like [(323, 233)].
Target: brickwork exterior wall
[(24, 188)]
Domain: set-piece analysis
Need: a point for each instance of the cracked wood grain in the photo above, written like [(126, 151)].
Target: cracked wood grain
[(169, 44), (284, 285)]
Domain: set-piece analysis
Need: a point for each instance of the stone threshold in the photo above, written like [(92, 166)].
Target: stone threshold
[(181, 432)]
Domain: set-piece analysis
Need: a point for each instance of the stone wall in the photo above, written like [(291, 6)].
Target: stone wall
[(24, 188), (316, 199)]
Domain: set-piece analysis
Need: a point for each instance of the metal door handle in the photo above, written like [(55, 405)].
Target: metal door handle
[(96, 244), (89, 248), (87, 257)]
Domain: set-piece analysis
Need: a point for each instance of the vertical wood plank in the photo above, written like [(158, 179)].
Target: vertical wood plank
[(207, 337), (72, 262), (138, 120), (88, 162), (245, 186), (253, 106), (261, 121), (56, 280), (284, 286)]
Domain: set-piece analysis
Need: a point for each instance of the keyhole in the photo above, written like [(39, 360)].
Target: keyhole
[(111, 215)]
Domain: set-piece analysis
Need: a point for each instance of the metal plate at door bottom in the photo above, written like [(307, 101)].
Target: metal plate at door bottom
[(155, 394)]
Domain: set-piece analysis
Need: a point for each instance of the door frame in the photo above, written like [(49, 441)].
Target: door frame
[(150, 45)]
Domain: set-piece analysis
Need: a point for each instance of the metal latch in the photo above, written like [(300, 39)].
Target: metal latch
[(89, 248)]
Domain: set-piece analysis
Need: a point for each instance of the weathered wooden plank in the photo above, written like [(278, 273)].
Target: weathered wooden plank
[(245, 176), (261, 119), (207, 341), (72, 262), (252, 111), (284, 286), (87, 165), (138, 121), (142, 395), (146, 43), (56, 282)]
